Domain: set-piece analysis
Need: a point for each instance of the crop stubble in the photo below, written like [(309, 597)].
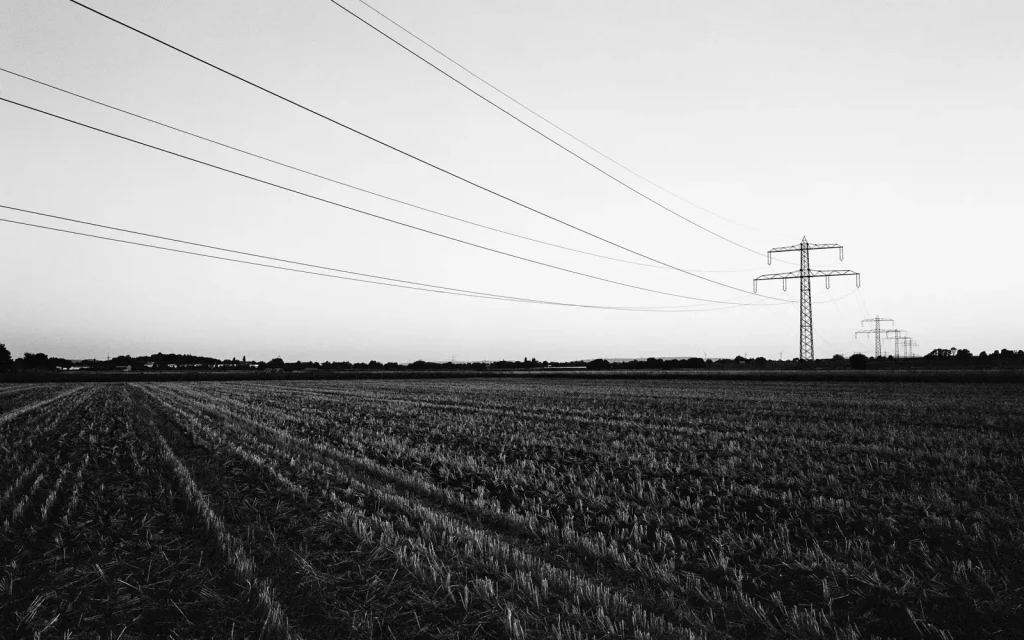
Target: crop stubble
[(511, 508)]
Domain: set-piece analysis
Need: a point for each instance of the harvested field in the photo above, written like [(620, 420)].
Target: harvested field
[(512, 507)]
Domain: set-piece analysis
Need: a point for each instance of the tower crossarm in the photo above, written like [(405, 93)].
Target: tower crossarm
[(877, 320), (810, 247), (810, 273), (803, 247)]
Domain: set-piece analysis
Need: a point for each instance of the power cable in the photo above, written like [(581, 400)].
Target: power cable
[(338, 182), (350, 186), (294, 262), (367, 213), (531, 127), (392, 282), (408, 154), (549, 122), (244, 253), (841, 312), (863, 307)]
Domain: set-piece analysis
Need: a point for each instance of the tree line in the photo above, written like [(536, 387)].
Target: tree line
[(174, 361)]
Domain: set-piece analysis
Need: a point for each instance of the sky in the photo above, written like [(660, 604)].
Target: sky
[(890, 127)]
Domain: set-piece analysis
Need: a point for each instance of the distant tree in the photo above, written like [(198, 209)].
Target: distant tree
[(119, 361), (58, 363), (5, 358), (839, 356), (276, 363), (599, 364), (983, 354), (858, 361), (963, 353), (35, 361)]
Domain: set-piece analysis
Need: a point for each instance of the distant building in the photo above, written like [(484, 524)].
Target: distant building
[(123, 367), (150, 365)]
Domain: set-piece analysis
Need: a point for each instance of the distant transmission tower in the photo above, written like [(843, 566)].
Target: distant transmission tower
[(878, 331), (896, 337), (805, 274), (908, 344)]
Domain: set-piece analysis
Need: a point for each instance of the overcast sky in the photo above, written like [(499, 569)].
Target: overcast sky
[(893, 128)]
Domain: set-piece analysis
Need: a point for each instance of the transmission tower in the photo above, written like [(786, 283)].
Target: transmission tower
[(908, 344), (805, 274), (878, 331), (896, 337)]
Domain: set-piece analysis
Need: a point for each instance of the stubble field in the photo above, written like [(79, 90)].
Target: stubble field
[(520, 508)]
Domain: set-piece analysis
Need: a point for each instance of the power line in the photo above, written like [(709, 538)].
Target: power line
[(322, 177), (392, 282), (549, 122), (244, 253), (531, 127), (348, 185), (406, 153), (294, 262), (367, 213)]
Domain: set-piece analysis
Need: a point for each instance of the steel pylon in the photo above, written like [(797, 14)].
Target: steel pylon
[(878, 331), (908, 345), (806, 316), (897, 336), (805, 274)]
